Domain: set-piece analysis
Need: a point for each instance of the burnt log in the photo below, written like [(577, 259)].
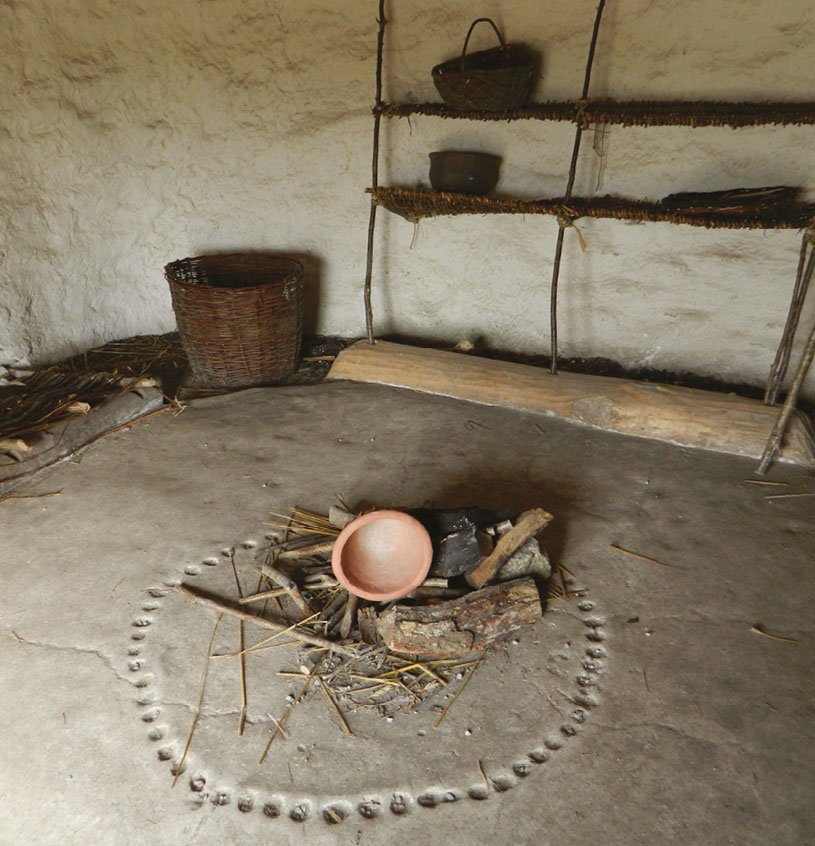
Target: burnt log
[(458, 627)]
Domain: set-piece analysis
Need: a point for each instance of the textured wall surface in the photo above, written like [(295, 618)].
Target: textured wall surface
[(135, 133)]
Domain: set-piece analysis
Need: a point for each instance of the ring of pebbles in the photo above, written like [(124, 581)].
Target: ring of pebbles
[(569, 645)]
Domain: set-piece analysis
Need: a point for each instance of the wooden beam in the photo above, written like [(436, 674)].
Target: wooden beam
[(683, 416)]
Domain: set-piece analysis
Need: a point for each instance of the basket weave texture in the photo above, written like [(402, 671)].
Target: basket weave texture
[(239, 316), (496, 80)]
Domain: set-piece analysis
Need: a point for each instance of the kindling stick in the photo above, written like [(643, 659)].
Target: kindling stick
[(774, 443), (263, 622), (799, 293)]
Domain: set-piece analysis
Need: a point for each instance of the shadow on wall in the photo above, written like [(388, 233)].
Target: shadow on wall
[(312, 279)]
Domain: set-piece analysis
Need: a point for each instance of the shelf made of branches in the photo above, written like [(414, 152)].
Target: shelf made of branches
[(414, 204), (691, 113)]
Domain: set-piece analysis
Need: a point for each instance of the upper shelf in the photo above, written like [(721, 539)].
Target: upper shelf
[(629, 113), (415, 204)]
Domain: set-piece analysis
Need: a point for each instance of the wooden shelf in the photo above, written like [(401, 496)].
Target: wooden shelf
[(415, 204), (629, 113)]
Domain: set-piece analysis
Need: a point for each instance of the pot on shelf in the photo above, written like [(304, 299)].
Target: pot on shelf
[(464, 171)]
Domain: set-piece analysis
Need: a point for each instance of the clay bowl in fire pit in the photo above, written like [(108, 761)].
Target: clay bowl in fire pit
[(382, 555)]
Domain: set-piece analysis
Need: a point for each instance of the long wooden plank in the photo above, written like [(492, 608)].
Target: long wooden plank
[(684, 416)]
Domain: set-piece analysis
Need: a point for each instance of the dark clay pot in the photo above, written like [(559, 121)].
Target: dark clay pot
[(464, 172)]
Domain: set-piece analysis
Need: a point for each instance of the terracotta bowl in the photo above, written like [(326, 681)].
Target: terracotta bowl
[(382, 555)]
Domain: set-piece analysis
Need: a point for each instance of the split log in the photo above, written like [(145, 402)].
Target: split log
[(460, 626), (349, 616), (528, 525), (289, 585), (366, 620), (312, 550)]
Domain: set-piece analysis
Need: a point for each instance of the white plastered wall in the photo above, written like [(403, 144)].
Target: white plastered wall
[(135, 133)]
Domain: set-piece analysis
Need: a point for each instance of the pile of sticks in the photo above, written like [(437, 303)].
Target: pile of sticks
[(298, 600)]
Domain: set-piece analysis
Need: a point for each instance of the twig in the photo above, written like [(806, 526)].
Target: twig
[(799, 293), (264, 594), (250, 650), (329, 695), (757, 630), (263, 644), (787, 495), (487, 779), (279, 727), (458, 692), (242, 657), (763, 482), (272, 625), (197, 709), (30, 496), (643, 557), (407, 668), (279, 724), (774, 442)]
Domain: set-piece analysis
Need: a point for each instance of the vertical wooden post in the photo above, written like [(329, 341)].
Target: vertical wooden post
[(369, 261), (563, 220)]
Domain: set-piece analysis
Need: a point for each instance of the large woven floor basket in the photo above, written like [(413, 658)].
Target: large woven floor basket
[(239, 316)]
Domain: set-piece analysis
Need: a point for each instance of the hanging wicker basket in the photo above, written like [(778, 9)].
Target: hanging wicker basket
[(239, 316), (496, 80)]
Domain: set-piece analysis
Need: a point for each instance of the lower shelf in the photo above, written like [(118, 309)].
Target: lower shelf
[(415, 204), (683, 416)]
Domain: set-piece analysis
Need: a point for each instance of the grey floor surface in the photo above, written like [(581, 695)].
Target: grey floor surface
[(685, 726)]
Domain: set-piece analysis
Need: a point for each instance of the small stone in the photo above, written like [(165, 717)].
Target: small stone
[(529, 560)]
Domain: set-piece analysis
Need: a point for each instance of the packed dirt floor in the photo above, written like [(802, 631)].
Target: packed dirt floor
[(672, 702)]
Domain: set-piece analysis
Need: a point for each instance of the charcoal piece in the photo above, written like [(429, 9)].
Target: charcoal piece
[(455, 553), (441, 522)]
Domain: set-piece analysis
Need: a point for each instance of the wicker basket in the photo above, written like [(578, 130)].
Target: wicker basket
[(496, 80), (239, 316)]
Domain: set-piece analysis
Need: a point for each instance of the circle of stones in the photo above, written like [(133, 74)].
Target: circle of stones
[(584, 698)]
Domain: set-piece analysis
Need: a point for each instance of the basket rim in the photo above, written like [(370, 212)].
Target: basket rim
[(295, 274), (518, 55)]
